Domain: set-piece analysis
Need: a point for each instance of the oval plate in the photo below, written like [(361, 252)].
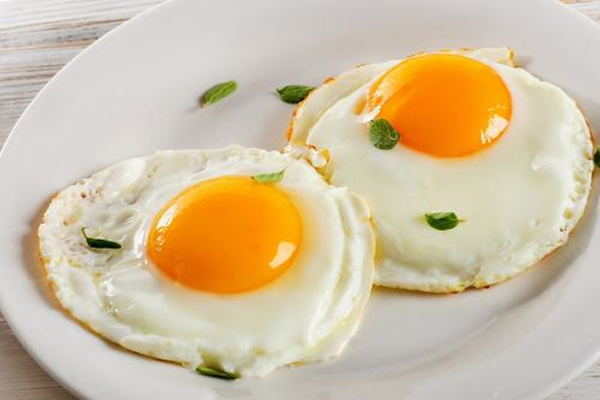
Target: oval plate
[(136, 91)]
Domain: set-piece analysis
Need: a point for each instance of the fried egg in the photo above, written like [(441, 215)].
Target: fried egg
[(509, 154), (216, 268)]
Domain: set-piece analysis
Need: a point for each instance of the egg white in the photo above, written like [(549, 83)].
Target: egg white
[(307, 314), (520, 197)]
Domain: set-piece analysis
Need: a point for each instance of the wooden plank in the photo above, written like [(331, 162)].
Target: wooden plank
[(37, 38)]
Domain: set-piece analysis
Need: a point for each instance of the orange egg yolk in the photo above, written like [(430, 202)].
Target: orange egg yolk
[(226, 235), (444, 105)]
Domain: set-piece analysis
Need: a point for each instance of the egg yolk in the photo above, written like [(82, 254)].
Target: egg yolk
[(444, 105), (226, 235)]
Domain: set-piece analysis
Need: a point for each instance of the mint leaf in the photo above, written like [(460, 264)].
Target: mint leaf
[(382, 134), (268, 178), (217, 92), (217, 373), (443, 221), (95, 243), (294, 94)]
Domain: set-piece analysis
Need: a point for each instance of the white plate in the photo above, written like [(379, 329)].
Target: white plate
[(135, 91)]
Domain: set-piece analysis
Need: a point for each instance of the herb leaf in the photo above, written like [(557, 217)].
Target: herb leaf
[(267, 178), (96, 243), (442, 221), (382, 134), (597, 157), (217, 373), (294, 94), (217, 92)]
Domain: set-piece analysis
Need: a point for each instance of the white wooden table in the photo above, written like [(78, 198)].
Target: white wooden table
[(38, 37)]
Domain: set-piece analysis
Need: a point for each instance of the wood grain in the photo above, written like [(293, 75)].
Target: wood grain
[(37, 38)]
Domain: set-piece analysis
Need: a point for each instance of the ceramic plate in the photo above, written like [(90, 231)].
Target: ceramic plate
[(136, 90)]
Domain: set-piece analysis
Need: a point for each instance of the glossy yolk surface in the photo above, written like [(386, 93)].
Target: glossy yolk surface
[(226, 235), (444, 105)]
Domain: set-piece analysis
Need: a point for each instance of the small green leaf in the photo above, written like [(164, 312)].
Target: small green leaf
[(294, 94), (217, 373), (268, 178), (597, 157), (96, 243), (217, 92), (382, 134), (442, 221)]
